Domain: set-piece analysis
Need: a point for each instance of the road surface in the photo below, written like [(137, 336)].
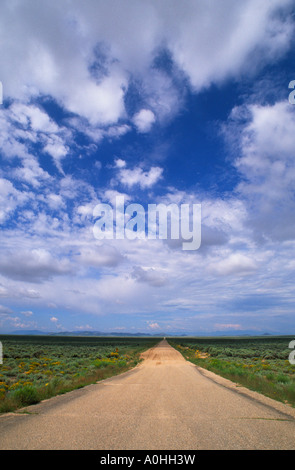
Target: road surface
[(165, 403)]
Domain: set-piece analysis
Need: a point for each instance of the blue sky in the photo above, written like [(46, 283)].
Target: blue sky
[(162, 102)]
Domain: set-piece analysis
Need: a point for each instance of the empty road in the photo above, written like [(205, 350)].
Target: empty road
[(165, 403)]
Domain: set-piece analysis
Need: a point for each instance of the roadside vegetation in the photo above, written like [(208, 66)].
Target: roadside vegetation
[(39, 367), (258, 363)]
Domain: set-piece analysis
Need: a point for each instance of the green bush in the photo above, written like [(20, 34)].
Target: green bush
[(100, 363), (122, 363), (26, 395), (281, 378)]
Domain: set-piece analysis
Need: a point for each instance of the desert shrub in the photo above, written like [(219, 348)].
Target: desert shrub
[(26, 395), (270, 376), (100, 363), (281, 378), (121, 363), (113, 354)]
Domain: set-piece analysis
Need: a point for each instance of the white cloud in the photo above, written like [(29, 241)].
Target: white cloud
[(154, 326), (144, 120), (224, 214), (234, 264), (55, 201), (99, 256), (56, 148), (84, 55), (24, 125), (84, 328), (100, 104), (27, 313), (267, 139), (29, 293), (119, 163), (117, 131), (32, 266), (136, 176), (151, 276), (10, 199), (5, 310), (266, 163), (218, 38), (31, 172), (33, 117)]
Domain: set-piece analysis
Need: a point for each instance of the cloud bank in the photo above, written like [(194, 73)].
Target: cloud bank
[(96, 96)]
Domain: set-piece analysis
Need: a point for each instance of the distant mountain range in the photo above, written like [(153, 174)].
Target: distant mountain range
[(160, 334), (78, 333)]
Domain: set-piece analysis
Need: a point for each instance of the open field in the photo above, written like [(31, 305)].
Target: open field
[(259, 363), (39, 367)]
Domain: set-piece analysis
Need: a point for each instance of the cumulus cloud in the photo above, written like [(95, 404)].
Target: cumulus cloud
[(266, 163), (30, 172), (10, 199), (137, 176), (25, 129), (32, 117), (267, 139), (144, 120), (234, 264), (32, 266), (240, 29), (99, 256), (55, 201), (150, 276), (84, 57), (119, 163), (51, 65)]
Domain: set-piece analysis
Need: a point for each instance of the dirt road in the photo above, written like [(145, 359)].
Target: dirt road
[(166, 403)]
